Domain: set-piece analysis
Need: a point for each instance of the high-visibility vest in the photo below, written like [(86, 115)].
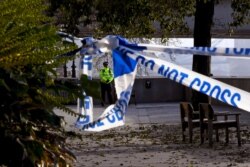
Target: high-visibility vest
[(106, 75)]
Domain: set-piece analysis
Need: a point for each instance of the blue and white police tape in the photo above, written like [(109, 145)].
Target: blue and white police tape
[(87, 65), (85, 108), (206, 51), (113, 116), (125, 59), (111, 42), (211, 87), (124, 77)]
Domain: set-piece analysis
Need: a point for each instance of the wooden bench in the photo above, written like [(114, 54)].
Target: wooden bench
[(189, 119), (214, 123)]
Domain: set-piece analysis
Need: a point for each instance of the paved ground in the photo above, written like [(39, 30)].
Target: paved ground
[(153, 139), (156, 113), (169, 113)]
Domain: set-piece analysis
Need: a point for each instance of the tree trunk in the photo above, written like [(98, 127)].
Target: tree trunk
[(202, 37)]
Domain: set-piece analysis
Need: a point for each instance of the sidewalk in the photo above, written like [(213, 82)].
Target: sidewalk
[(154, 113), (152, 137)]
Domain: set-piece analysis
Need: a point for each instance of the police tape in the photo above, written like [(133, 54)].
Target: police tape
[(125, 61), (113, 116), (206, 85), (85, 106), (206, 51), (111, 42)]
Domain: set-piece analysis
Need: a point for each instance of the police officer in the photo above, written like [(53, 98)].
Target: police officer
[(106, 77)]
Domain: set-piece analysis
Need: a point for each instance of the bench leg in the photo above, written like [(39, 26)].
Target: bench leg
[(238, 131), (227, 135), (190, 128), (183, 133), (210, 134), (239, 137), (202, 134), (217, 135)]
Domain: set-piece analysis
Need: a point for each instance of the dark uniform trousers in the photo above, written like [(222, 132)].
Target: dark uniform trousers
[(106, 88)]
